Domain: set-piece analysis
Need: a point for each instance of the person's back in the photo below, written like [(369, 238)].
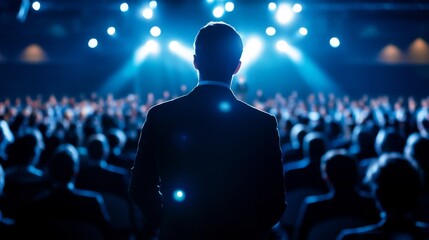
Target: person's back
[(63, 202), (344, 201), (23, 180), (305, 173), (397, 185), (215, 159), (98, 175)]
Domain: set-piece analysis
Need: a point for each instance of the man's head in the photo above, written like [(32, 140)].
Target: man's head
[(340, 169), (218, 49), (396, 182)]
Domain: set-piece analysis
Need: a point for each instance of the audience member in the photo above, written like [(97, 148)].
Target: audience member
[(44, 217), (344, 200), (396, 183)]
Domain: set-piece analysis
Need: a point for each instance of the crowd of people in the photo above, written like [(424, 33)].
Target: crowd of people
[(354, 168)]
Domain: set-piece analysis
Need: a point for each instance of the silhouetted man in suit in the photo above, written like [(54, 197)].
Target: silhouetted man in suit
[(208, 166)]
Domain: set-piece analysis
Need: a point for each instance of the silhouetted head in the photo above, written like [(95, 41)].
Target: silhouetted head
[(340, 169), (64, 164), (396, 182), (98, 147), (297, 135), (116, 138), (26, 149), (389, 140), (362, 137), (417, 148), (218, 49), (423, 122), (314, 146), (333, 129)]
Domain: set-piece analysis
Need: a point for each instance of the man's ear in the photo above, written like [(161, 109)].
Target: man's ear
[(195, 62), (238, 67)]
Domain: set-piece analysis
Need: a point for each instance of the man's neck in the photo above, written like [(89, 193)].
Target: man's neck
[(214, 83)]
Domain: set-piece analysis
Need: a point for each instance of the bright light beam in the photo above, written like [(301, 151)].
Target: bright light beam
[(252, 49), (130, 69), (183, 52), (151, 46), (309, 71)]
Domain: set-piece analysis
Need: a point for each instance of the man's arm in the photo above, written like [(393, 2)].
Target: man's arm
[(271, 189), (145, 181)]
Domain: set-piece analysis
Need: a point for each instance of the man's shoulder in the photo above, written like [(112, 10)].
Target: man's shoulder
[(253, 110)]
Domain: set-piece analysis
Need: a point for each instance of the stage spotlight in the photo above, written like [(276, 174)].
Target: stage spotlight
[(179, 195), (272, 6), (174, 46), (183, 52), (297, 7), (124, 7), (270, 31), (284, 14), (303, 31), (218, 12), (111, 31), (147, 13), (92, 43), (210, 1), (252, 49), (284, 47), (155, 31), (335, 42), (153, 4), (224, 106), (229, 6), (36, 6), (151, 47)]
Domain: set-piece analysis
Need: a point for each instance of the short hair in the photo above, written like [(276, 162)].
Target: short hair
[(98, 147), (340, 169), (218, 49), (314, 146), (64, 164), (396, 181)]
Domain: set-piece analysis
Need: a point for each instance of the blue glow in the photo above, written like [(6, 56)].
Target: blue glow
[(151, 47), (335, 42), (303, 31), (218, 12), (124, 7), (155, 31), (92, 43), (183, 52), (312, 74), (252, 49), (297, 7), (229, 6), (293, 53), (284, 14), (111, 31), (272, 6), (147, 13), (36, 6), (179, 195), (270, 31), (225, 106), (153, 4), (210, 1)]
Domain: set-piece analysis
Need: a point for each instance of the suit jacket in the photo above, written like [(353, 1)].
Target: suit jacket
[(222, 155), (316, 209), (63, 204)]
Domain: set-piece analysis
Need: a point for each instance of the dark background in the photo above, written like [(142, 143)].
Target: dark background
[(62, 29)]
